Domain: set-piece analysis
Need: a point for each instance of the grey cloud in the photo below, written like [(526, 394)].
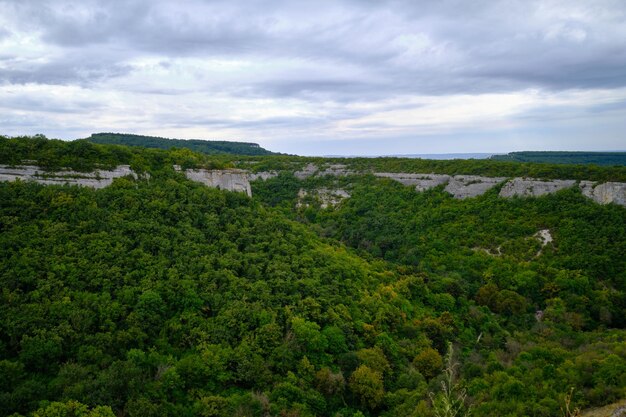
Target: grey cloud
[(48, 105), (63, 73), (332, 51), (481, 46)]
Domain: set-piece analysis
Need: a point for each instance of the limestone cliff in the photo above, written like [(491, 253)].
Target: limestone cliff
[(460, 186), (467, 186), (529, 187), (326, 197), (421, 182), (609, 192), (313, 170), (96, 179), (223, 179)]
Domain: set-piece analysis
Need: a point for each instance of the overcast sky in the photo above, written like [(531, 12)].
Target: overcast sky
[(321, 77)]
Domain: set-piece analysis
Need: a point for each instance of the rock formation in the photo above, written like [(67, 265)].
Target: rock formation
[(306, 172), (332, 169), (263, 175), (459, 186), (609, 192), (96, 179), (326, 197), (467, 186), (223, 179), (337, 170), (529, 187), (421, 182)]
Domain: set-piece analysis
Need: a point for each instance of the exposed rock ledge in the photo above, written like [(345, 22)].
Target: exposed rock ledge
[(326, 197), (460, 186), (337, 170), (223, 179), (529, 187), (95, 179), (466, 186), (609, 192), (421, 182)]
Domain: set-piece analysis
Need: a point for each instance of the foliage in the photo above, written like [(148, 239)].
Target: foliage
[(210, 147), (163, 297), (597, 158), (450, 401)]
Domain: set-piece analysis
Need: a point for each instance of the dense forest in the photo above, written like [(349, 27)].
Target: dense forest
[(555, 157), (162, 297), (210, 147)]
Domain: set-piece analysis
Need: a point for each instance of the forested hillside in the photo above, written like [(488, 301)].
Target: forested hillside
[(596, 158), (210, 147), (159, 296)]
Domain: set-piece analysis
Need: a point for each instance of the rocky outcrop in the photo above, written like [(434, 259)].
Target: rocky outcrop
[(310, 170), (326, 197), (609, 192), (223, 179), (421, 182), (96, 179), (263, 175), (467, 186), (460, 186), (529, 187), (544, 237), (337, 170), (306, 172)]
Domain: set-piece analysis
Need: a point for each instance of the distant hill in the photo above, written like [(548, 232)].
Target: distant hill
[(211, 147), (597, 158)]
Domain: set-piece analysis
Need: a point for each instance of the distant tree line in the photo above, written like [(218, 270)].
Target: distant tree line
[(210, 147), (595, 158)]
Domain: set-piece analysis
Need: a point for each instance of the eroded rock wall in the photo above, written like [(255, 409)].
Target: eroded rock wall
[(326, 197), (96, 179), (421, 182), (608, 192), (310, 170), (529, 187), (467, 186), (223, 179)]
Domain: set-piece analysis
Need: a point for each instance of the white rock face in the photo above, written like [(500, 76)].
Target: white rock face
[(422, 182), (529, 187), (306, 172), (467, 186), (95, 179), (310, 170), (544, 236), (223, 179), (337, 170), (609, 192), (326, 197)]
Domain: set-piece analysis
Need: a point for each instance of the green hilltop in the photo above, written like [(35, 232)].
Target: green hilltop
[(210, 147)]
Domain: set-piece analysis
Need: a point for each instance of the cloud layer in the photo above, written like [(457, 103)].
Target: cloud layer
[(341, 76)]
